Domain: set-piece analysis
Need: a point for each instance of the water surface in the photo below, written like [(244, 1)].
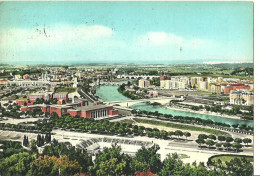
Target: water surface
[(110, 93)]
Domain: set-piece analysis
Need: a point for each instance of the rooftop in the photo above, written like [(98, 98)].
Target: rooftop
[(91, 107), (242, 91), (61, 93)]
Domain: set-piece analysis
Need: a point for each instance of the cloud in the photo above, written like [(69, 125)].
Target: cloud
[(63, 42), (169, 39), (49, 36)]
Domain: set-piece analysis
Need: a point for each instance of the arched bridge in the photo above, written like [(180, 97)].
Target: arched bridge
[(111, 83), (127, 103), (137, 76)]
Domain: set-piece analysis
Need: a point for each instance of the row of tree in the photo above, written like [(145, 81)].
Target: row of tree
[(12, 92), (41, 140), (41, 127), (236, 110), (210, 140), (191, 120), (114, 128), (50, 101)]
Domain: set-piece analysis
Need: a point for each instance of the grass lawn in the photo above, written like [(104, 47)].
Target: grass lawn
[(66, 89), (127, 121), (35, 90), (225, 158), (183, 127)]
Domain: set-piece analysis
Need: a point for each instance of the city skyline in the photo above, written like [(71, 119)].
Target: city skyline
[(126, 32)]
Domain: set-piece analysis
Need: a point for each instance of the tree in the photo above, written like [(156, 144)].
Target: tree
[(178, 133), (235, 126), (236, 146), (213, 137), (227, 145), (37, 101), (54, 101), (187, 134), (202, 136), (218, 145), (41, 101), (238, 166), (17, 164), (133, 111), (200, 141), (40, 140), (172, 165), (111, 167), (210, 143), (47, 138), (164, 134), (60, 149), (236, 110), (229, 139), (238, 140), (221, 138), (25, 141), (149, 159), (51, 165), (247, 140), (47, 114), (33, 147), (111, 162)]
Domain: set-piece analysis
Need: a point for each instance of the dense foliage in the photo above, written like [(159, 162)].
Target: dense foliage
[(121, 89), (64, 159)]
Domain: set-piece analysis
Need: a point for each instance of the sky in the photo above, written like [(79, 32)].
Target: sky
[(125, 32)]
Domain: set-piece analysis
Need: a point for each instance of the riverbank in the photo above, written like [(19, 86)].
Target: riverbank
[(110, 93), (204, 112)]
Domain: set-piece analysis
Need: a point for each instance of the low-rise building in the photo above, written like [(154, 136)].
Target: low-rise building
[(22, 102), (230, 87), (165, 77), (26, 76), (93, 111), (194, 82), (203, 86), (3, 82), (165, 84), (153, 93), (40, 95), (241, 97), (143, 83), (61, 96), (213, 87), (17, 77), (180, 82), (96, 111)]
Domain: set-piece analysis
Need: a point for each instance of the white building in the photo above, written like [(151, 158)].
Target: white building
[(180, 82), (241, 97)]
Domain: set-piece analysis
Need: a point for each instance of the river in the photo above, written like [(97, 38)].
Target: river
[(110, 93)]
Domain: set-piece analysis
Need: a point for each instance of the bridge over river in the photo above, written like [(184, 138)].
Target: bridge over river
[(127, 103)]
